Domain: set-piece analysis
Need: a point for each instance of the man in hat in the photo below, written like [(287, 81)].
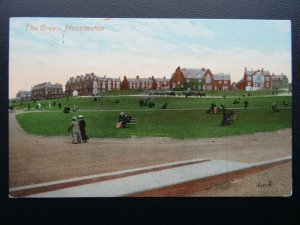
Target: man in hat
[(82, 129), (75, 131)]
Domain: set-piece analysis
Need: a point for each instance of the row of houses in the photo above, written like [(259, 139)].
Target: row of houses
[(91, 84), (181, 78)]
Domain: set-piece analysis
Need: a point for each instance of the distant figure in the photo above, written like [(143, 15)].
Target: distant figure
[(225, 119), (274, 108), (75, 131), (124, 118), (59, 105), (54, 103), (11, 108), (212, 109), (66, 110), (119, 123), (222, 107), (236, 101), (39, 106), (84, 137), (285, 103), (246, 103), (165, 105)]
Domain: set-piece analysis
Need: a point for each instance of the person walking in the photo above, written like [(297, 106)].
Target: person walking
[(75, 131), (82, 129)]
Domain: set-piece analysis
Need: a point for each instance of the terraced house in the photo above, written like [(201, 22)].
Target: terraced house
[(47, 90), (149, 83), (199, 79), (90, 84)]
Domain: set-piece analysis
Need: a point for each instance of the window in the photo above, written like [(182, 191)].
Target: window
[(267, 78), (225, 81), (249, 78)]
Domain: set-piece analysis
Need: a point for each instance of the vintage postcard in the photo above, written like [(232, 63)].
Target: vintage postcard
[(110, 107)]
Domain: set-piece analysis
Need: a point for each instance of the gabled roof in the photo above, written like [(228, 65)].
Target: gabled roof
[(221, 76), (240, 81), (193, 73), (145, 79), (46, 85), (133, 80)]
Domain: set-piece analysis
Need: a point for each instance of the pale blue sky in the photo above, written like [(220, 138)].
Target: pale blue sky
[(143, 47)]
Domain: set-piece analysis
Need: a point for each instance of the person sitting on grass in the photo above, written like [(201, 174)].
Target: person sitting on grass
[(212, 109), (285, 102), (274, 108)]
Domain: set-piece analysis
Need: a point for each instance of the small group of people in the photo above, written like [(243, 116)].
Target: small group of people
[(78, 130), (214, 109), (124, 118)]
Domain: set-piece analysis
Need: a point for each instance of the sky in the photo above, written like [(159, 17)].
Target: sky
[(55, 49)]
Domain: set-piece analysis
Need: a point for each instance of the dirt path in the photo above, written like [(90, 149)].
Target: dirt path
[(35, 159)]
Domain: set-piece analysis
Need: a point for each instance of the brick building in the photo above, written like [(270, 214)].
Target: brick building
[(161, 83), (47, 90), (221, 82), (149, 83), (91, 84), (200, 79), (255, 80)]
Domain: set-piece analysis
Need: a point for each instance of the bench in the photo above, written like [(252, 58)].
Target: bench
[(131, 123), (232, 118)]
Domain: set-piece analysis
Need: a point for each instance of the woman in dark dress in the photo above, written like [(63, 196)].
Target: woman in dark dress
[(82, 129)]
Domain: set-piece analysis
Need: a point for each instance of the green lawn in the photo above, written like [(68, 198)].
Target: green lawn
[(131, 102), (185, 118)]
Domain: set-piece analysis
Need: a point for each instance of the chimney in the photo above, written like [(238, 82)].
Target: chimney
[(137, 77), (262, 69)]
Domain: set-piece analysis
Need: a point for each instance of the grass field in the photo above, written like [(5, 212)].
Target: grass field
[(184, 118)]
